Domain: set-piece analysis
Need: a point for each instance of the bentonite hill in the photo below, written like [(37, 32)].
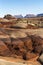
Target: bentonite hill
[(21, 41)]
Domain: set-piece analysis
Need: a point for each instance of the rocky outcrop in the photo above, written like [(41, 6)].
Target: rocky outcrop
[(18, 48), (41, 59), (8, 16), (37, 44), (20, 45)]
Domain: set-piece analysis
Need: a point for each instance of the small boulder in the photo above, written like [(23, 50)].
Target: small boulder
[(41, 58)]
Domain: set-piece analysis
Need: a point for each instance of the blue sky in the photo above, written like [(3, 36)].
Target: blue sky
[(15, 7)]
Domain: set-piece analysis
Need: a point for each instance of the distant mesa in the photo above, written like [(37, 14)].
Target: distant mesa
[(18, 16), (40, 15), (29, 15)]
